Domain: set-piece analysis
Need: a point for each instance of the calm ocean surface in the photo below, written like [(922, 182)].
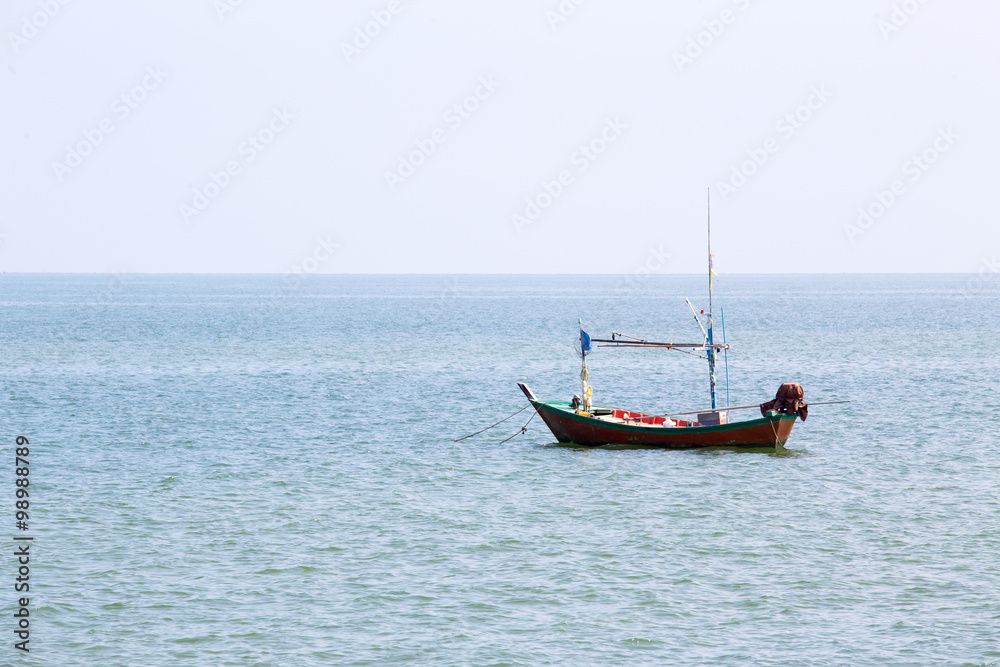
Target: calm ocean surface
[(242, 471)]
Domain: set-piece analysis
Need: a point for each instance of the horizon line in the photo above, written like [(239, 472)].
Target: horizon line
[(318, 274)]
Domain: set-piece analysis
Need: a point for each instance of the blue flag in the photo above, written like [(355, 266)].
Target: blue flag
[(584, 341)]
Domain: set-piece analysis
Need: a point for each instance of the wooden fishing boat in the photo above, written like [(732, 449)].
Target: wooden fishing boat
[(581, 423), (603, 426)]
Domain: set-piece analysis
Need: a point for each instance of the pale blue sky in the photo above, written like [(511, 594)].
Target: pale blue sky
[(185, 137)]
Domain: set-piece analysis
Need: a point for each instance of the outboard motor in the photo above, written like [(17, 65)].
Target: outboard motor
[(789, 400)]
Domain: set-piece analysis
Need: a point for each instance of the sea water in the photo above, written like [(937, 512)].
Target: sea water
[(236, 470)]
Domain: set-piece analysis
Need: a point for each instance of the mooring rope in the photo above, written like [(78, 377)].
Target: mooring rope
[(497, 424), (775, 431), (524, 429)]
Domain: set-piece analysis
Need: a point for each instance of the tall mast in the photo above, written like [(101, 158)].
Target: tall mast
[(584, 376), (711, 349), (710, 254)]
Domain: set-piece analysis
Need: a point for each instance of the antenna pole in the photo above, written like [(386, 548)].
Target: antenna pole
[(710, 254), (711, 350), (584, 373)]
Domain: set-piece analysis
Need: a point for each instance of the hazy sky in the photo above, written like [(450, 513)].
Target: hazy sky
[(447, 136)]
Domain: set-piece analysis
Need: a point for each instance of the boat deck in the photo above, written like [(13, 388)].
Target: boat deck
[(613, 416)]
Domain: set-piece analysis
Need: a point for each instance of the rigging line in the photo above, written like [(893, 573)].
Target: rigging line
[(693, 354), (497, 424), (739, 407), (675, 349), (524, 429), (640, 336)]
